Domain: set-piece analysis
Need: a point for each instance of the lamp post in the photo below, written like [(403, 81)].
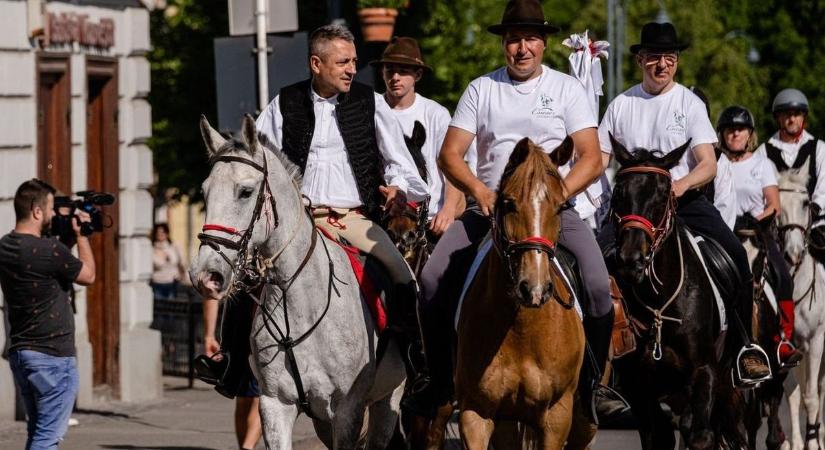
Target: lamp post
[(615, 35), (753, 53)]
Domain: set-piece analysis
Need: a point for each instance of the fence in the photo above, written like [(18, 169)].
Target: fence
[(180, 322)]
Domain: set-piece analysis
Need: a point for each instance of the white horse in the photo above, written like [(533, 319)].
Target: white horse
[(809, 296), (255, 218)]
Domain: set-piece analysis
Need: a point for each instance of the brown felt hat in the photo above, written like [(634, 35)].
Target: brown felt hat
[(523, 14), (402, 50)]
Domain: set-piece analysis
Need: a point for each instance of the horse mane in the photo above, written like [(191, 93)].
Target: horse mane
[(236, 144), (520, 178)]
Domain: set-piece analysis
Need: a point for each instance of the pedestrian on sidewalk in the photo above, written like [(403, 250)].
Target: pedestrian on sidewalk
[(36, 275)]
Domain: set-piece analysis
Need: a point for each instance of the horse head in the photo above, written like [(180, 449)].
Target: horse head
[(795, 218), (642, 205), (243, 195), (753, 230), (407, 230), (527, 220)]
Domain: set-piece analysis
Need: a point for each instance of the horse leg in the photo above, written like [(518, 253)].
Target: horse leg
[(556, 423), (701, 405), (753, 418), (324, 432), (795, 406), (437, 428), (277, 420), (382, 420), (810, 394), (475, 430), (775, 436)]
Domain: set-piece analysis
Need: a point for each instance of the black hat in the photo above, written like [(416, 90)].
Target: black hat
[(658, 36), (402, 50), (734, 116), (523, 13)]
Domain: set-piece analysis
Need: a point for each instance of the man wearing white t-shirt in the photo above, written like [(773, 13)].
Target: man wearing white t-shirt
[(522, 99), (661, 114), (401, 68), (790, 148)]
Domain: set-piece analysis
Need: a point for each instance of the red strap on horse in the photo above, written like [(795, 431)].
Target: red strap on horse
[(413, 205), (537, 240), (634, 221), (213, 227)]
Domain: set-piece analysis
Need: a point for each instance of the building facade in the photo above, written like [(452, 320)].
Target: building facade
[(74, 81)]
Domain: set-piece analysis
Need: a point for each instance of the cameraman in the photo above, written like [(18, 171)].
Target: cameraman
[(36, 274)]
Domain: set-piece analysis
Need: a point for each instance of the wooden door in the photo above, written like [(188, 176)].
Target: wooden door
[(103, 299), (54, 144)]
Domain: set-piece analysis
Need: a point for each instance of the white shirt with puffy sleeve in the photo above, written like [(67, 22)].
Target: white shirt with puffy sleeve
[(328, 178)]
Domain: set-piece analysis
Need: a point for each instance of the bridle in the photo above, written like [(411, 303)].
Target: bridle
[(240, 275), (508, 249), (656, 233), (805, 230), (250, 272), (418, 212)]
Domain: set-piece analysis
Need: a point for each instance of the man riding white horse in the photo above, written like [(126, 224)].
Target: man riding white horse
[(790, 148), (661, 114), (350, 149)]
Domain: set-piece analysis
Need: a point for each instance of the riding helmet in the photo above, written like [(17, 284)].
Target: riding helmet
[(735, 116), (790, 99)]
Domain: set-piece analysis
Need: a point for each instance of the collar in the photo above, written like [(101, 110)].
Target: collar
[(777, 142), (318, 99)]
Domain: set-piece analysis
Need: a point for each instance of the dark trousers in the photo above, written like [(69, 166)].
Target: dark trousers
[(784, 290)]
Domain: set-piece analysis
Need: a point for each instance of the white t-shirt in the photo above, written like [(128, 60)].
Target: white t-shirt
[(658, 122), (435, 119), (500, 112), (724, 198), (750, 177)]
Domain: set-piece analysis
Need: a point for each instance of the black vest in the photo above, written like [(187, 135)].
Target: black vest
[(355, 114), (806, 151)]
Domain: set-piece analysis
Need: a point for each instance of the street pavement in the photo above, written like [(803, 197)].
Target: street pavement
[(200, 419)]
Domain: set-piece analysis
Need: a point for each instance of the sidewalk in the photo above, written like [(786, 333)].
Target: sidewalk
[(186, 419)]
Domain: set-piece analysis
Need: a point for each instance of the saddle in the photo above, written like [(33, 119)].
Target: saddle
[(722, 270)]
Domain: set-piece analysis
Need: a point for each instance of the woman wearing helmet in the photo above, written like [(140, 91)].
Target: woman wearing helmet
[(757, 195)]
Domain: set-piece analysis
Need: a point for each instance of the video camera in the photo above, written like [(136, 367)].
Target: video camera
[(90, 203)]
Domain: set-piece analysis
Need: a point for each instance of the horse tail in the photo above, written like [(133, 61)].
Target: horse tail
[(528, 437)]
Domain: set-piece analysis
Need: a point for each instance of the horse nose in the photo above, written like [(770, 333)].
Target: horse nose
[(548, 292), (210, 283), (531, 297)]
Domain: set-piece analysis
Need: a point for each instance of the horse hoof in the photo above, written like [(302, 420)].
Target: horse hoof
[(701, 440)]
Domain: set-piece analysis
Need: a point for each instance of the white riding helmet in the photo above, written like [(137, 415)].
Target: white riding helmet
[(790, 99)]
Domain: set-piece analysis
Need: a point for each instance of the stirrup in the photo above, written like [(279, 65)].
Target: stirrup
[(211, 370), (743, 382), (782, 364)]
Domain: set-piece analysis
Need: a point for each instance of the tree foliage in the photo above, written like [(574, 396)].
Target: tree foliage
[(455, 42)]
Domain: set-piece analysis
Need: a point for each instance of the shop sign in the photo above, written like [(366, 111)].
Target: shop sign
[(67, 28)]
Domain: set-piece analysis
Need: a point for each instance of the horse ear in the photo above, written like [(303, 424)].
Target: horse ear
[(767, 220), (211, 137), (520, 152), (419, 134), (670, 160), (250, 133), (562, 154), (620, 152)]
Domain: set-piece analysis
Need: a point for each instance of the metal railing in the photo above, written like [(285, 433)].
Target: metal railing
[(180, 322)]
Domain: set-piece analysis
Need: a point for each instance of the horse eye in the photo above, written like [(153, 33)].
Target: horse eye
[(508, 205), (245, 193)]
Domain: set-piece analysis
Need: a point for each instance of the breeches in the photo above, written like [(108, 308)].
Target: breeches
[(442, 278), (365, 235), (785, 289)]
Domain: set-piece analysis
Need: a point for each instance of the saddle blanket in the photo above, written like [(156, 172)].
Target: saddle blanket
[(694, 243), (483, 250), (369, 291)]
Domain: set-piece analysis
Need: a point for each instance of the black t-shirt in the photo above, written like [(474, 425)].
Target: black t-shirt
[(36, 275)]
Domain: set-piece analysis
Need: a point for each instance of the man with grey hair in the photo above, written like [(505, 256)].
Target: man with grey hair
[(350, 149)]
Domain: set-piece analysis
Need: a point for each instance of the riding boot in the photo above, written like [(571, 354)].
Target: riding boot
[(598, 332), (752, 363), (433, 387), (404, 319), (788, 353)]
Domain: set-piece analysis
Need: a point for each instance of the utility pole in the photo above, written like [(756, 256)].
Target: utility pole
[(616, 37), (262, 52)]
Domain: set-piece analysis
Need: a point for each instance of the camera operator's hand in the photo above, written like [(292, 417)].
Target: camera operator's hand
[(80, 217)]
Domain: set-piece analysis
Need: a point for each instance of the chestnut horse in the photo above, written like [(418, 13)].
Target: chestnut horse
[(520, 340)]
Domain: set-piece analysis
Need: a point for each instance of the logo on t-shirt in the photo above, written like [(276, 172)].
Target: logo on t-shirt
[(544, 107), (677, 124)]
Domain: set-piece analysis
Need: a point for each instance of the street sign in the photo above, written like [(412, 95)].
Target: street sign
[(281, 16), (235, 74)]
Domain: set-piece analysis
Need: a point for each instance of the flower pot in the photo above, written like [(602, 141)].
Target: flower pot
[(377, 23)]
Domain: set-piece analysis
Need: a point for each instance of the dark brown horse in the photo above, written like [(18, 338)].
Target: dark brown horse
[(520, 339), (672, 302), (767, 397)]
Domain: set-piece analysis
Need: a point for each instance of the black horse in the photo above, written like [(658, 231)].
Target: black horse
[(673, 307), (755, 234)]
